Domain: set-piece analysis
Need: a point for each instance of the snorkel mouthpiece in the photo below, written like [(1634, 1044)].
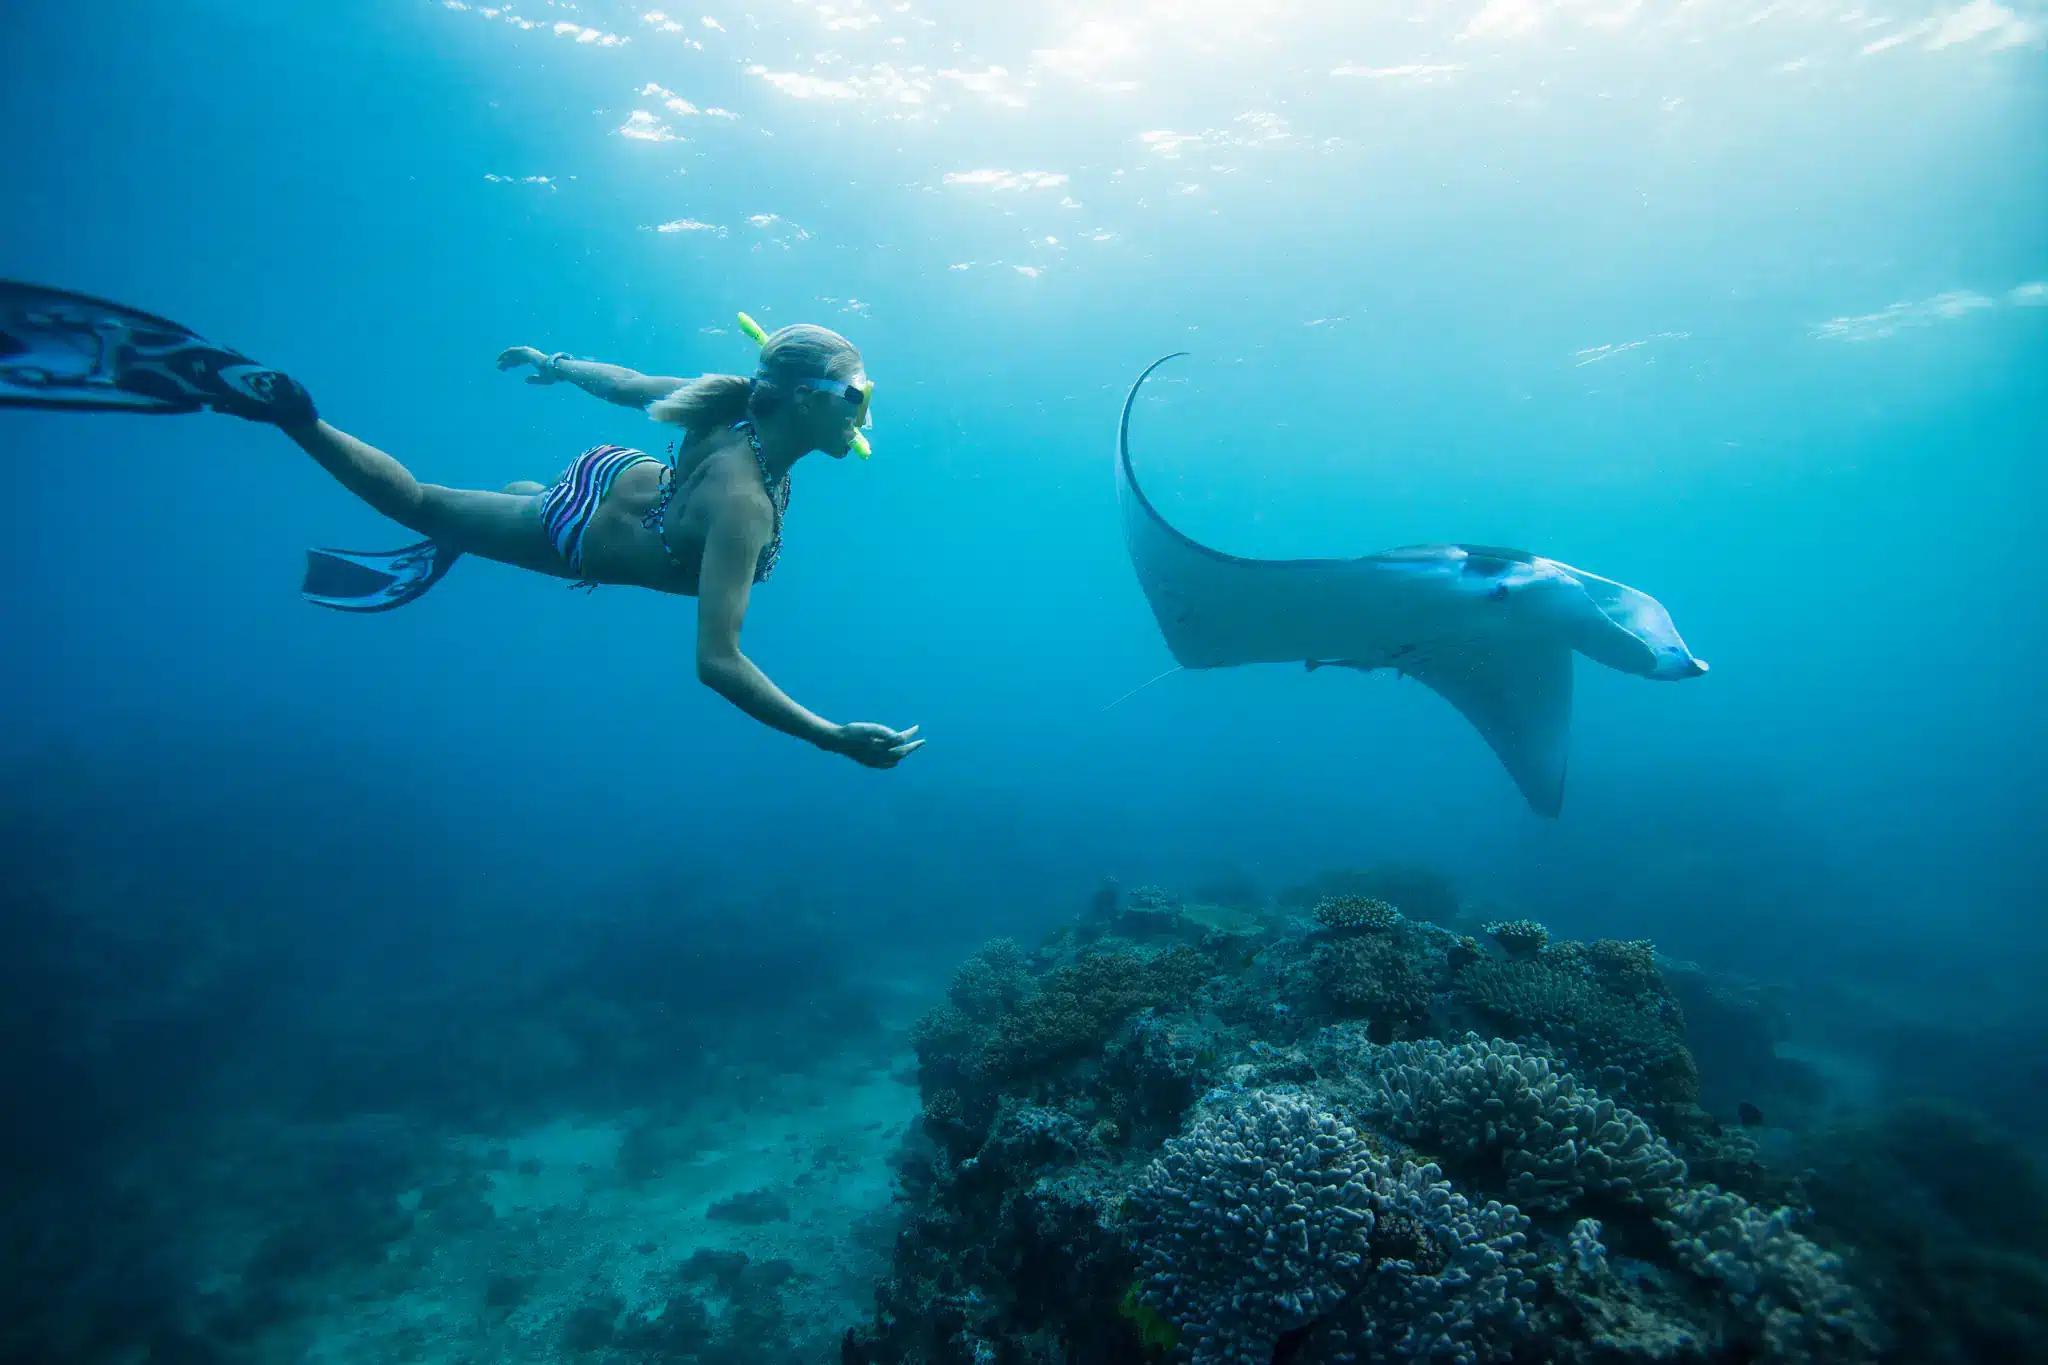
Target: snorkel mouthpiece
[(753, 332)]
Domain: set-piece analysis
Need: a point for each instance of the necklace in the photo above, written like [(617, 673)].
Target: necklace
[(778, 498)]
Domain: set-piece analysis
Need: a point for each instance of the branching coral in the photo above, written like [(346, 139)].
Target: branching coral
[(1622, 1044), (1501, 1104), (1078, 1009), (1261, 1220), (1558, 1143), (1175, 976), (1785, 1287), (994, 979), (1371, 978), (939, 1033), (1626, 968), (943, 1107), (1357, 914)]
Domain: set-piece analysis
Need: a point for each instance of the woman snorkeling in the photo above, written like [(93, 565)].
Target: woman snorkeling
[(708, 526)]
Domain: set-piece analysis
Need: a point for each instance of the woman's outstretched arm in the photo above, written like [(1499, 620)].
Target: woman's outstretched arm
[(613, 383), (724, 583)]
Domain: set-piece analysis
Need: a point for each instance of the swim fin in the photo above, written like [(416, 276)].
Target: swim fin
[(372, 580), (65, 350)]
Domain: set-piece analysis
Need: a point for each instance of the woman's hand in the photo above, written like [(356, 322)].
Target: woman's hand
[(512, 357), (874, 746)]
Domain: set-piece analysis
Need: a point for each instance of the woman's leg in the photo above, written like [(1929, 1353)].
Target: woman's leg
[(502, 526)]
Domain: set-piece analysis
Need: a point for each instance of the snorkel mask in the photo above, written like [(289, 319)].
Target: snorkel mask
[(861, 395)]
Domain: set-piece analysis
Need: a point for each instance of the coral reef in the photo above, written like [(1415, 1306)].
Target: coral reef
[(1211, 1149), (1372, 978), (1356, 914), (1270, 1216), (1027, 1136), (1151, 1072), (1188, 1137), (1626, 968), (939, 1035), (1078, 1008), (1150, 913), (1588, 1252), (1257, 1221), (1083, 1031), (1420, 893), (1519, 937), (993, 980), (1501, 1106), (1150, 907), (1631, 1044), (1789, 1292), (942, 1107)]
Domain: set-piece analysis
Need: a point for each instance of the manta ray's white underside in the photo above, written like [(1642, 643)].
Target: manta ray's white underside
[(1489, 630)]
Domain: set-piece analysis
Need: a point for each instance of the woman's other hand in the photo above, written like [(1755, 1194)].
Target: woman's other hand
[(512, 357)]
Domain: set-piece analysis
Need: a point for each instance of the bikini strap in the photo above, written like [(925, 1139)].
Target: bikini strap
[(778, 501)]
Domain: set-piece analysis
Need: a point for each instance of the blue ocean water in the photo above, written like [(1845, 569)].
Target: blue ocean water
[(1745, 305)]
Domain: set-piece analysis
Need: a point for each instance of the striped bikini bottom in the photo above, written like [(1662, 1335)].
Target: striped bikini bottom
[(566, 509)]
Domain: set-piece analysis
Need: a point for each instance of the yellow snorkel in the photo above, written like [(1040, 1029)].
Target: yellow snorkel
[(753, 332)]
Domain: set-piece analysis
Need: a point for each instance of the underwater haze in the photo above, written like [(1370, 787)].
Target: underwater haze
[(471, 983)]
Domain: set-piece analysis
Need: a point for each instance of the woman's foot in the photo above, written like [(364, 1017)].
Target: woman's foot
[(215, 377), (64, 350)]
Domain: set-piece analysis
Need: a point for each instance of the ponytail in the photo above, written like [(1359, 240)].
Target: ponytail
[(705, 404)]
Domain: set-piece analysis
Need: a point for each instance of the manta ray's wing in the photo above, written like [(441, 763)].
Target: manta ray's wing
[(1424, 611), (1518, 695), (1218, 610)]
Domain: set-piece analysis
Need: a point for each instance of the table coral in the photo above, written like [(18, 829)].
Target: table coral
[(1520, 937)]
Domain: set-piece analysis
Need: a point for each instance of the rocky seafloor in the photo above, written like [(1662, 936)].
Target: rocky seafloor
[(1366, 1124), (1340, 1133)]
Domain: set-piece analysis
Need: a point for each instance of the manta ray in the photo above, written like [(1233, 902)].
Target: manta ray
[(1489, 630)]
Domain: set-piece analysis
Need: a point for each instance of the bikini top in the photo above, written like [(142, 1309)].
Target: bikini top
[(656, 519)]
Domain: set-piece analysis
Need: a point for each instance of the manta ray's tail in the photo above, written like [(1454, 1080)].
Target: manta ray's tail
[(1141, 687)]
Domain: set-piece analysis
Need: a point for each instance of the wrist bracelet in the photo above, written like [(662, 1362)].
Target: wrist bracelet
[(553, 364)]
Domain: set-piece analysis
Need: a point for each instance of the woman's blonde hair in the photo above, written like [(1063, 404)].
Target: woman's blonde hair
[(712, 401)]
